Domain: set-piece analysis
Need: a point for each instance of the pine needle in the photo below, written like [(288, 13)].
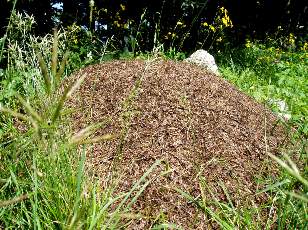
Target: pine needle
[(98, 139)]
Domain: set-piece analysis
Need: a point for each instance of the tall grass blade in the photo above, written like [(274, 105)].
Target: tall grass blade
[(22, 117), (94, 203), (273, 186), (298, 196), (103, 210), (166, 226), (98, 139), (14, 114), (136, 196), (54, 55), (135, 186), (61, 69), (37, 223), (291, 171), (44, 70), (3, 181), (30, 110), (85, 132), (227, 194), (66, 94), (78, 187), (292, 164), (222, 223), (7, 30), (76, 85)]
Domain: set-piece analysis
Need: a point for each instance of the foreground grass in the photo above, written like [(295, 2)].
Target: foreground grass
[(43, 183)]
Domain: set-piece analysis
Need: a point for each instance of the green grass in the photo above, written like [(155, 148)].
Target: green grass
[(271, 73)]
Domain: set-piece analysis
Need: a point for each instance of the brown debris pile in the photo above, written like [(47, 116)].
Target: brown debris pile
[(198, 123)]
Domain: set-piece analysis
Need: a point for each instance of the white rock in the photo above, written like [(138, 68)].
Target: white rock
[(282, 107), (204, 59)]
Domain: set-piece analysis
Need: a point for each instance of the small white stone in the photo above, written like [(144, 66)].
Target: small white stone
[(283, 109), (286, 116), (204, 59)]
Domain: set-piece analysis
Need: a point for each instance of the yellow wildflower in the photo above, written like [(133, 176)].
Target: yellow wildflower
[(225, 22), (123, 7), (116, 23), (212, 28), (291, 39), (248, 43), (226, 19), (205, 24), (305, 47)]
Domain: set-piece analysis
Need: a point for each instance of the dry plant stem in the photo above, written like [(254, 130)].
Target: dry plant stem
[(127, 116), (13, 201), (191, 26)]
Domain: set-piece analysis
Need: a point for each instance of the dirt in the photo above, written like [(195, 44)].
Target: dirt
[(207, 133)]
